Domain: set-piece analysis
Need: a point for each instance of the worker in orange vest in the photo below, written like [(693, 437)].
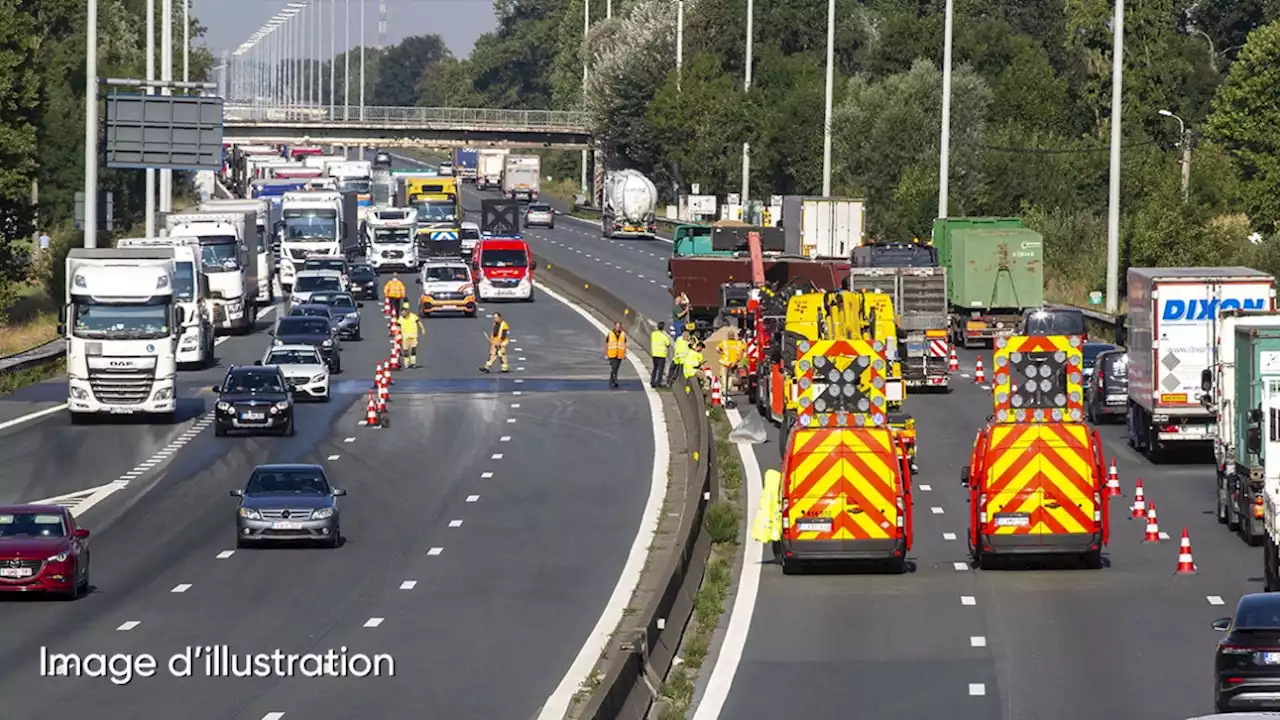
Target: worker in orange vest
[(394, 291), (615, 349)]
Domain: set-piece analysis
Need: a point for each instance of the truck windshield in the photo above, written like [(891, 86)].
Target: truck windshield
[(142, 321), (356, 185), (1055, 322), (310, 228), (398, 236), (896, 256), (184, 281), (219, 254), (437, 211), (503, 258)]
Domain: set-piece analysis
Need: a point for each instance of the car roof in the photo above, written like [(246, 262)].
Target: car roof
[(309, 306), (332, 295), (320, 273), (283, 318), (279, 467), (361, 266), (504, 243), (470, 225), (10, 509), (253, 369), (289, 348)]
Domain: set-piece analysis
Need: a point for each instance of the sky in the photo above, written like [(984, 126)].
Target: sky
[(459, 22)]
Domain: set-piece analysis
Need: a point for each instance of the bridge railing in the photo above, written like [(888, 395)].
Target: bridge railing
[(380, 115)]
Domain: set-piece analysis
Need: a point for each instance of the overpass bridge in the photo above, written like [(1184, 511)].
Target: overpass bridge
[(405, 127)]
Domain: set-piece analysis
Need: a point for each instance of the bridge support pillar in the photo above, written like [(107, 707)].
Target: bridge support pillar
[(597, 179)]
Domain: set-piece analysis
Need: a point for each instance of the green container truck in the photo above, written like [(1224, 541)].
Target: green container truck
[(995, 272)]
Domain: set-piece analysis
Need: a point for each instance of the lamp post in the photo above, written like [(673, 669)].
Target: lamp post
[(362, 14), (586, 28), (746, 88), (333, 52), (1186, 154), (186, 41), (91, 126), (150, 192), (1113, 200), (944, 152), (346, 64), (166, 76), (826, 126), (679, 42)]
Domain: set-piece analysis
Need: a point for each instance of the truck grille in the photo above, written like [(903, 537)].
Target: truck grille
[(505, 283), (924, 292), (121, 387)]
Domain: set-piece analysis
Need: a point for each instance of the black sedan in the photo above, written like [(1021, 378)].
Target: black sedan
[(364, 282), (254, 399), (319, 332), (1246, 663), (288, 502), (345, 311)]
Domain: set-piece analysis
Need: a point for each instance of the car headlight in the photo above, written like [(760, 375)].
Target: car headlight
[(249, 514), (467, 289), (282, 405), (322, 513), (279, 341), (224, 406), (328, 343), (353, 316), (60, 557), (319, 378)]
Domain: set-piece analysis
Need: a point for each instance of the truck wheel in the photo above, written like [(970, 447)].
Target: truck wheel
[(1093, 559)]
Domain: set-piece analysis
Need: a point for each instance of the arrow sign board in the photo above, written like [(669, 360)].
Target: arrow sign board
[(500, 218)]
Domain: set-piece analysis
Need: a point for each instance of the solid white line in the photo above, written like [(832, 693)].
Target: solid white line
[(744, 602), (373, 622), (517, 392), (596, 643), (32, 416), (350, 439)]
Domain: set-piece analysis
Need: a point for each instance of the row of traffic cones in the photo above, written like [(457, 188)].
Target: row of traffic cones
[(979, 372), (1141, 509)]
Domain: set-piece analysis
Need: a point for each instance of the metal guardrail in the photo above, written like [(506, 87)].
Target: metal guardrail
[(635, 659), (355, 116), (45, 354)]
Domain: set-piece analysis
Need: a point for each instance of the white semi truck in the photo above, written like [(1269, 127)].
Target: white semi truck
[(522, 177), (225, 240), (314, 223), (391, 234), (489, 166), (266, 258), (191, 293), (122, 327), (630, 205)]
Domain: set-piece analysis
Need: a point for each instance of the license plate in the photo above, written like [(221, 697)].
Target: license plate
[(120, 411), (818, 525), (1269, 658), (253, 416), (286, 525), (1013, 521), (16, 572), (1116, 399)]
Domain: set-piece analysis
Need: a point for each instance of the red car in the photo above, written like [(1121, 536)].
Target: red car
[(42, 549)]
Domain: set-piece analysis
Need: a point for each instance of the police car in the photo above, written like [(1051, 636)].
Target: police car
[(447, 286)]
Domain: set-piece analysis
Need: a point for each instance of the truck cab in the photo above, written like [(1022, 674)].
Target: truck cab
[(191, 294), (122, 328), (391, 235), (226, 260), (266, 257), (354, 176), (503, 268), (310, 224)]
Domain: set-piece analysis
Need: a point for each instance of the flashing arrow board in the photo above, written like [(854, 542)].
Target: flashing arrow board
[(841, 383), (1038, 379)]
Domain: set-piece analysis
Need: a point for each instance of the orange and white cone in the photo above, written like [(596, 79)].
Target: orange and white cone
[(385, 385), (1113, 480), (386, 307), (1153, 526), (382, 398), (1186, 565), (1139, 508), (394, 361), (979, 375), (953, 363), (377, 376), (371, 412), (717, 399)]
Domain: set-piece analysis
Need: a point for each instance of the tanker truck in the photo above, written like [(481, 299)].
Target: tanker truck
[(628, 206)]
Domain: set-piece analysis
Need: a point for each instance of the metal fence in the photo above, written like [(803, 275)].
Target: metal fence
[(45, 354), (356, 116)]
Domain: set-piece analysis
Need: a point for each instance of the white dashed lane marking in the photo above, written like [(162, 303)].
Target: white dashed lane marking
[(349, 440), (960, 566), (510, 420), (435, 551), (455, 523), (127, 626), (408, 584), (473, 498), (968, 600), (948, 536), (334, 457), (273, 716), (515, 406), (977, 641), (936, 510), (486, 475), (1214, 600), (373, 622), (226, 554), (181, 588), (977, 689), (505, 438), (496, 456), (926, 488)]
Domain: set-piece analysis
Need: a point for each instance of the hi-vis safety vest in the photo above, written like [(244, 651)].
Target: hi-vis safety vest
[(768, 526), (500, 334), (682, 349), (409, 326), (394, 290), (730, 351), (659, 342), (692, 362), (616, 346)]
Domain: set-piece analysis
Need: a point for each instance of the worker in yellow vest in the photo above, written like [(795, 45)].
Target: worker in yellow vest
[(693, 362), (730, 352), (499, 336), (410, 324), (678, 355), (615, 348), (659, 344)]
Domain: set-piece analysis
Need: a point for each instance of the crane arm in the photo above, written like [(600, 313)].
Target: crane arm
[(757, 258)]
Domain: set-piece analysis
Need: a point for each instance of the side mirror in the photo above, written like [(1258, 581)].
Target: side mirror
[(216, 389), (62, 329), (1254, 416), (359, 305), (81, 533), (237, 493), (1206, 380), (62, 315), (182, 314), (533, 265), (1253, 440), (339, 492), (964, 476), (272, 332), (257, 362), (1222, 624)]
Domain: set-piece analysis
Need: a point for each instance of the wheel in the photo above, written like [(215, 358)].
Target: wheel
[(897, 566), (324, 398), (552, 226), (1093, 559), (83, 587), (793, 567), (357, 337), (335, 540), (1269, 566), (288, 429), (219, 431), (530, 298)]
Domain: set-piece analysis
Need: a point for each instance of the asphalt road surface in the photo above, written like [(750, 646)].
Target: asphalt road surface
[(486, 528), (1040, 642)]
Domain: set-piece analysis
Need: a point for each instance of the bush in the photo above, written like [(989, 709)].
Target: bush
[(722, 522)]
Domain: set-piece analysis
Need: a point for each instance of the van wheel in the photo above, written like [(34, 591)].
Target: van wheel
[(1093, 559)]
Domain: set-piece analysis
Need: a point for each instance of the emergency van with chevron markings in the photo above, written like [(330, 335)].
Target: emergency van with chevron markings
[(1172, 317), (844, 491), (1035, 475)]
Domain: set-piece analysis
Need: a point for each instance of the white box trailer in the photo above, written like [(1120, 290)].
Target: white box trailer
[(1172, 325)]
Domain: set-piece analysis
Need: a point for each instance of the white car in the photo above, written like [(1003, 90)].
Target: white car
[(447, 286), (308, 282), (540, 214), (469, 236), (446, 169), (303, 367)]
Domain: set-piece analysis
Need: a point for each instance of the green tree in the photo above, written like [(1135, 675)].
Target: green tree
[(701, 124), (401, 69)]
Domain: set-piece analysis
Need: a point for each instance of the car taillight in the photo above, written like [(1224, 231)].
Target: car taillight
[(1257, 507), (1168, 428), (1236, 650)]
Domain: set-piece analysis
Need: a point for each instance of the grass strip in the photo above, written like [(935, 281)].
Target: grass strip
[(30, 376)]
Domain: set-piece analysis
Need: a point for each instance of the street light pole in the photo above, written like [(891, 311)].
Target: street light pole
[(91, 126), (346, 63), (362, 14), (333, 52), (1113, 200), (186, 41), (150, 220), (586, 56), (944, 153), (166, 76), (826, 126), (1186, 154), (746, 88), (679, 42)]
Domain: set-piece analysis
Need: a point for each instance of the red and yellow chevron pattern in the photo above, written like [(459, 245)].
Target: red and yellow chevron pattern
[(844, 484), (1041, 479), (1002, 389), (842, 354)]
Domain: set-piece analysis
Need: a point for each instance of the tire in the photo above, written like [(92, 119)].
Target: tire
[(793, 567), (219, 431), (358, 337), (1233, 519), (336, 540), (897, 566), (289, 429), (1093, 559)]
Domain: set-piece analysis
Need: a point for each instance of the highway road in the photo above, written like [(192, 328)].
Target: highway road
[(1037, 643), (486, 530)]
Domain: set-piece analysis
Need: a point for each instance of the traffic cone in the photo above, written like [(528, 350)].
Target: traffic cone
[(377, 375), (979, 375), (1186, 565), (394, 361), (1153, 526), (371, 412), (385, 385), (1113, 480), (1139, 508), (717, 399), (386, 307), (953, 363)]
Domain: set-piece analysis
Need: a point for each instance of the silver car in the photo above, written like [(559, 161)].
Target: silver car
[(540, 214), (314, 281), (306, 371), (288, 503), (345, 311)]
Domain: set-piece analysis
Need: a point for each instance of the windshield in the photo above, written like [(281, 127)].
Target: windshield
[(1055, 322), (362, 272), (121, 322), (334, 264), (310, 228), (28, 524), (901, 255), (303, 326), (437, 211), (1116, 366), (539, 208), (341, 303), (184, 281), (219, 254), (503, 258), (446, 274), (360, 186), (314, 283), (253, 382), (294, 357), (1091, 351), (399, 236), (287, 482), (304, 311), (470, 234)]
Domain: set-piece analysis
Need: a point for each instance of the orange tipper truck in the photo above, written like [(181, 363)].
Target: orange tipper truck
[(844, 492), (1036, 478)]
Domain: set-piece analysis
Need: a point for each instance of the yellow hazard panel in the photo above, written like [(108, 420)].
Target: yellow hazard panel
[(842, 484), (1040, 480)]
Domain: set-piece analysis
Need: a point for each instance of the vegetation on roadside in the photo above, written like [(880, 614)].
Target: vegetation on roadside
[(723, 524), (21, 378)]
